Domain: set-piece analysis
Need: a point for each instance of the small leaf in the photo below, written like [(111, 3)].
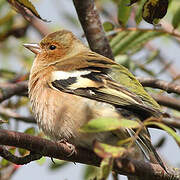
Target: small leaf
[(57, 164), (108, 124), (90, 172), (41, 161), (123, 12), (166, 128), (105, 150), (105, 168), (23, 152), (176, 19), (108, 26), (154, 9), (27, 4), (30, 131), (5, 163)]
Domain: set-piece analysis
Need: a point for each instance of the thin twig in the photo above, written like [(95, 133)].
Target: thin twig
[(18, 160), (168, 101), (11, 114), (160, 84), (8, 90)]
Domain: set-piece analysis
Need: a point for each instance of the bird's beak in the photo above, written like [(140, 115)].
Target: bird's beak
[(35, 48)]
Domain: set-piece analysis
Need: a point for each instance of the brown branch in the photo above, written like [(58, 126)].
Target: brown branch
[(168, 101), (90, 22), (11, 114), (18, 160), (8, 90), (160, 84), (61, 151)]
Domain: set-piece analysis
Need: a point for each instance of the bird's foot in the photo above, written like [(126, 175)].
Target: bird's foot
[(70, 146)]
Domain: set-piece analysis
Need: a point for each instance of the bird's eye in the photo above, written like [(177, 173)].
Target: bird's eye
[(52, 47)]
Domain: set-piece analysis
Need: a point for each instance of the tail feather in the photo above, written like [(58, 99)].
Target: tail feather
[(143, 141)]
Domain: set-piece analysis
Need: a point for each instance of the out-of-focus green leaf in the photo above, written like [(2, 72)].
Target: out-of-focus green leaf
[(138, 16), (105, 150), (176, 19), (108, 124), (30, 131), (133, 40), (41, 161), (5, 163), (105, 168), (23, 152), (166, 128), (154, 10), (90, 172), (108, 26), (123, 12), (57, 164)]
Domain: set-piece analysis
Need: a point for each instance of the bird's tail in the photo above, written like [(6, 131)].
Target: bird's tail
[(144, 142)]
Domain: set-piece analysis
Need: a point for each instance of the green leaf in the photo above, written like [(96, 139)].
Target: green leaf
[(132, 40), (138, 16), (30, 131), (23, 152), (41, 161), (105, 150), (105, 168), (30, 6), (108, 124), (90, 172), (108, 26), (123, 12), (57, 164), (176, 19), (166, 128)]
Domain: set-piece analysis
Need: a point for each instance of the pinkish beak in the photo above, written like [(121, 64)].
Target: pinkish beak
[(34, 47)]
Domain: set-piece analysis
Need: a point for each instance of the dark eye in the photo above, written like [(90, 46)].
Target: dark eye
[(52, 47)]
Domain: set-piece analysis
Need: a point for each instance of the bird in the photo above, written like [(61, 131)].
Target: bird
[(69, 85)]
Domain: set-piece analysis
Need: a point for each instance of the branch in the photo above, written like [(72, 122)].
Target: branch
[(8, 90), (168, 101), (11, 114), (51, 149), (160, 84), (91, 24), (18, 160)]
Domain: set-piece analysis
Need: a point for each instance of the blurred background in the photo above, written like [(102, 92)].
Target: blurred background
[(155, 55)]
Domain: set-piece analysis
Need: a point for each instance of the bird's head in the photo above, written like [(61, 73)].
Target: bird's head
[(56, 46)]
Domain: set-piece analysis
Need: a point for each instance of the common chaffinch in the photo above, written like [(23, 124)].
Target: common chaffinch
[(70, 85)]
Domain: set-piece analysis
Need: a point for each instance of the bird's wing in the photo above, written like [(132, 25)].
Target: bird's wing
[(93, 76)]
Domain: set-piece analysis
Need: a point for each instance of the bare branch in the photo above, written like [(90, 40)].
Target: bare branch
[(8, 90), (168, 101), (60, 150), (160, 84), (92, 26), (11, 114), (18, 160)]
